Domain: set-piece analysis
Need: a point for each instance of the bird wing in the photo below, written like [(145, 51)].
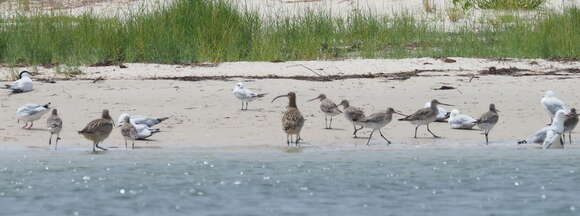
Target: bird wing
[(489, 118), (54, 122), (24, 84), (30, 109), (356, 114), (539, 136), (292, 119), (552, 105), (375, 117), (551, 138), (418, 114), (98, 126), (328, 106)]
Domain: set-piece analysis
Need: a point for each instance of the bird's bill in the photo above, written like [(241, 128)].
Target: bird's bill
[(313, 99), (444, 104), (279, 97), (400, 113)]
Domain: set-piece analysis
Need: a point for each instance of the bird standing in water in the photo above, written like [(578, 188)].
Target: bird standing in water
[(292, 120)]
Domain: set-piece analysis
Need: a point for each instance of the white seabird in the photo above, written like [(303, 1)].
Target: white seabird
[(144, 120), (30, 113), (460, 121), (23, 84), (245, 95), (550, 136)]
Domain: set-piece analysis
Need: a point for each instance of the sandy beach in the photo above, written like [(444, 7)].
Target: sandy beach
[(204, 114)]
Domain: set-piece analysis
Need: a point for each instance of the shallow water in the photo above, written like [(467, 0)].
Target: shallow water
[(390, 182)]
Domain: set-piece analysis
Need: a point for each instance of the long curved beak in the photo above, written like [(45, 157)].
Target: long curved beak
[(278, 97)]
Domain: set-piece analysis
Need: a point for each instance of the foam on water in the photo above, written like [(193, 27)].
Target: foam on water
[(397, 182)]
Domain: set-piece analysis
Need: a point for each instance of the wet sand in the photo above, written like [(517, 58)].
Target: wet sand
[(205, 115)]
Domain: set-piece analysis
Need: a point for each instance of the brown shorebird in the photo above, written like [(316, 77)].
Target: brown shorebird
[(54, 124), (377, 121), (292, 120), (425, 116), (329, 109), (129, 132), (353, 114), (98, 130), (570, 124), (487, 121)]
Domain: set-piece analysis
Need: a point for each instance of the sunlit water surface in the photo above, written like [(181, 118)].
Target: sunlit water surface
[(390, 182)]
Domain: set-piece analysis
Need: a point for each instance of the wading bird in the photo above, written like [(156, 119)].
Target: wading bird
[(98, 130), (425, 116), (552, 104), (292, 120), (54, 124), (329, 109), (376, 121), (353, 114), (487, 121)]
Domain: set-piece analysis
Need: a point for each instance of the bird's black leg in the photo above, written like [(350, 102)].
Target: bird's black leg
[(330, 125), (416, 131), (380, 132), (355, 130), (570, 137), (486, 139), (325, 122), (370, 136), (101, 148), (431, 132), (50, 140)]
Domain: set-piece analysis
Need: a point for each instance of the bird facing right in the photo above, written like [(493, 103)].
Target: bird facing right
[(329, 108), (376, 121), (487, 121), (54, 124), (98, 130)]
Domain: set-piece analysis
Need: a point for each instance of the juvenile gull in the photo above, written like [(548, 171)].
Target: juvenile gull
[(552, 104), (353, 114), (129, 132), (460, 121), (30, 113), (487, 121), (376, 121), (550, 135), (570, 124), (23, 84), (292, 120), (54, 124), (425, 116), (138, 120), (98, 130), (245, 95), (329, 109), (442, 114)]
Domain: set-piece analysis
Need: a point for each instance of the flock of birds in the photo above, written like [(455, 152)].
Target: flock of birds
[(562, 119)]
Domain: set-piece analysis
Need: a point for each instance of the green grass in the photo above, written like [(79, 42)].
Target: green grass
[(509, 4), (215, 31)]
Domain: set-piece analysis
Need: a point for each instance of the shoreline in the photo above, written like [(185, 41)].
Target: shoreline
[(205, 115)]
